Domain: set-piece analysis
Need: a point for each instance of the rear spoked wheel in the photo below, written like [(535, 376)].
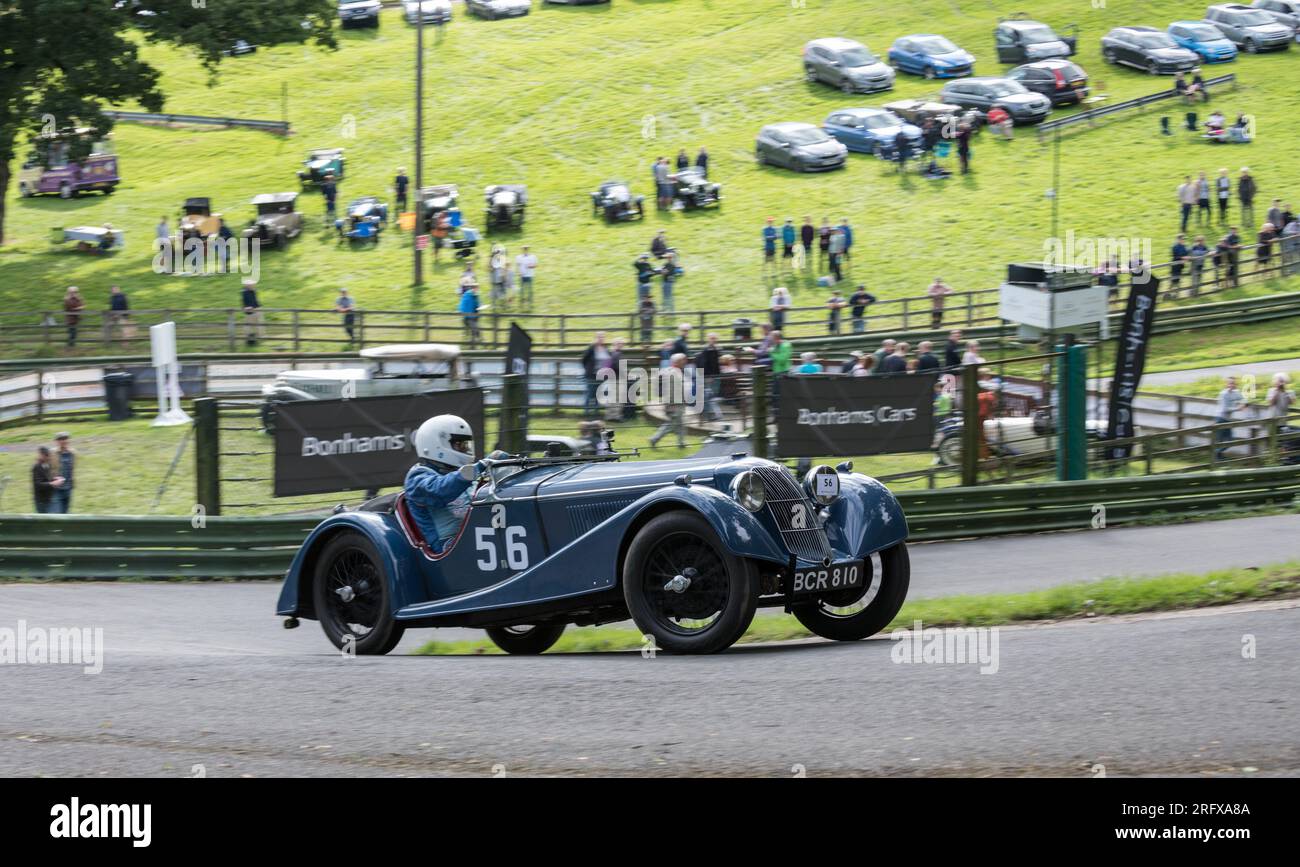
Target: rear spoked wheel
[(850, 615), (351, 597), (526, 639), (683, 587)]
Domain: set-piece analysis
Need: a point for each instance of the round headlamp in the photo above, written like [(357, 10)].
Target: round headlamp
[(748, 491), (822, 484)]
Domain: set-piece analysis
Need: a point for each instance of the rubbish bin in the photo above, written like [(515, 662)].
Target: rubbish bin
[(742, 329), (117, 394)]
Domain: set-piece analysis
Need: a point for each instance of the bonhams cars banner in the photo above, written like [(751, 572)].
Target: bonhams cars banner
[(360, 443), (841, 416)]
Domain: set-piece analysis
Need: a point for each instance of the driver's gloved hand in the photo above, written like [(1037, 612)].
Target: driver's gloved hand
[(498, 455)]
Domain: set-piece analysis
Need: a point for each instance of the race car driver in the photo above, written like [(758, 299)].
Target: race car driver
[(436, 491)]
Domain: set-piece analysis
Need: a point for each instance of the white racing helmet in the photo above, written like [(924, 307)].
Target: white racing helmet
[(445, 439)]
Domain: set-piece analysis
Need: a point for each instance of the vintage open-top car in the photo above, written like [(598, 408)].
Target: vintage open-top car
[(319, 163), (434, 200), (197, 219), (276, 222), (694, 190), (363, 220), (504, 206), (617, 202), (689, 549)]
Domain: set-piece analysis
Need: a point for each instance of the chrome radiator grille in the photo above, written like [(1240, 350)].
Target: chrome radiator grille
[(786, 503)]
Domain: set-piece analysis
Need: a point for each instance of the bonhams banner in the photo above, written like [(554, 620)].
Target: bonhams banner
[(841, 416), (1131, 359), (360, 443)]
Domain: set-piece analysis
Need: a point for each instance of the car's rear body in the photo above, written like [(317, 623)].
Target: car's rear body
[(1249, 28), (1062, 81)]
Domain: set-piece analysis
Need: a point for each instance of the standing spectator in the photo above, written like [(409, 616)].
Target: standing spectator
[(1203, 212), (834, 306), (864, 365), (860, 299), (45, 484), (837, 253), (896, 361), (497, 274), (809, 364), (1291, 247), (681, 343), (902, 149), (526, 267), (952, 350), (937, 291), (1280, 398), (330, 190), (777, 307), (73, 304), (467, 279), (1000, 122), (1178, 256), (1246, 190), (769, 244), (1232, 254), (1264, 252), (854, 357), (400, 184), (594, 359), (824, 241), (1230, 401), (972, 353), (925, 359), (787, 241), (1180, 88), (1198, 86), (668, 277), (847, 231), (673, 393), (886, 349), (645, 272), (709, 364), (1196, 259), (119, 313), (223, 247), (347, 307), (252, 313), (67, 464), (161, 231), (963, 147), (1186, 200), (807, 234), (441, 229), (778, 355), (683, 160), (469, 311), (646, 314), (702, 161), (1276, 215), (1223, 189), (663, 184), (659, 246)]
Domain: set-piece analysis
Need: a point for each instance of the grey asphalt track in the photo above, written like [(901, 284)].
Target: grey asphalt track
[(202, 674)]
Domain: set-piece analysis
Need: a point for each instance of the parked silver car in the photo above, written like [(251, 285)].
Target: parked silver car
[(493, 9), (432, 11), (846, 64), (359, 13), (799, 146), (1248, 28), (1283, 11)]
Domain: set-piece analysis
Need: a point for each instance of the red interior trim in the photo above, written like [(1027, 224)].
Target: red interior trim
[(412, 530)]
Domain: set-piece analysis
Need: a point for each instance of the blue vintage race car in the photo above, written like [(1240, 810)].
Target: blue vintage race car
[(688, 549)]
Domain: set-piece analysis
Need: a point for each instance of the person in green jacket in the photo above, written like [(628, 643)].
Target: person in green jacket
[(779, 355)]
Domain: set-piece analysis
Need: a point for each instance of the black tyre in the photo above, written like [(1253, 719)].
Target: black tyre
[(851, 615), (351, 596), (66, 191), (1251, 47), (1153, 68), (846, 86), (526, 640), (24, 190), (1108, 55), (683, 587), (810, 74), (949, 449), (929, 72)]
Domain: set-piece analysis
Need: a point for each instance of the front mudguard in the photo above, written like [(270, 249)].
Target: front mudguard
[(866, 518), (740, 530), (396, 556)]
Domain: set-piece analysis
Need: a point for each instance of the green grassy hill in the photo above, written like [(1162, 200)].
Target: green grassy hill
[(568, 97)]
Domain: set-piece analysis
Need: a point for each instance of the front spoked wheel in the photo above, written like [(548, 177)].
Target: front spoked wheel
[(351, 597), (685, 589), (850, 615)]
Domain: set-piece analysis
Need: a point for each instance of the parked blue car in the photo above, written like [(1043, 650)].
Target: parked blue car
[(688, 549), (1206, 40), (930, 55), (865, 129)]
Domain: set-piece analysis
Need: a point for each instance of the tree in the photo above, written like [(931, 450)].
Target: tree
[(65, 60)]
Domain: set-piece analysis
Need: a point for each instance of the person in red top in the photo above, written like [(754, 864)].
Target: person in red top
[(1000, 121)]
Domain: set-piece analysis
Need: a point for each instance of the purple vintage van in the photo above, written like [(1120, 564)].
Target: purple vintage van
[(97, 172)]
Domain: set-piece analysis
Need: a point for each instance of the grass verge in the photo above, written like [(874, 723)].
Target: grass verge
[(1067, 602)]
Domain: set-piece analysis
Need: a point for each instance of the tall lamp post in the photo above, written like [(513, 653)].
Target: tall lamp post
[(419, 142)]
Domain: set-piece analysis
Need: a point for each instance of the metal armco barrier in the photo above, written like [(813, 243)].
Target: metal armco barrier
[(281, 127), (1090, 116), (76, 546)]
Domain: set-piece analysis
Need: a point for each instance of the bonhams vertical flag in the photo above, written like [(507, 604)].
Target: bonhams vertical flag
[(840, 416), (1131, 359), (355, 444)]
